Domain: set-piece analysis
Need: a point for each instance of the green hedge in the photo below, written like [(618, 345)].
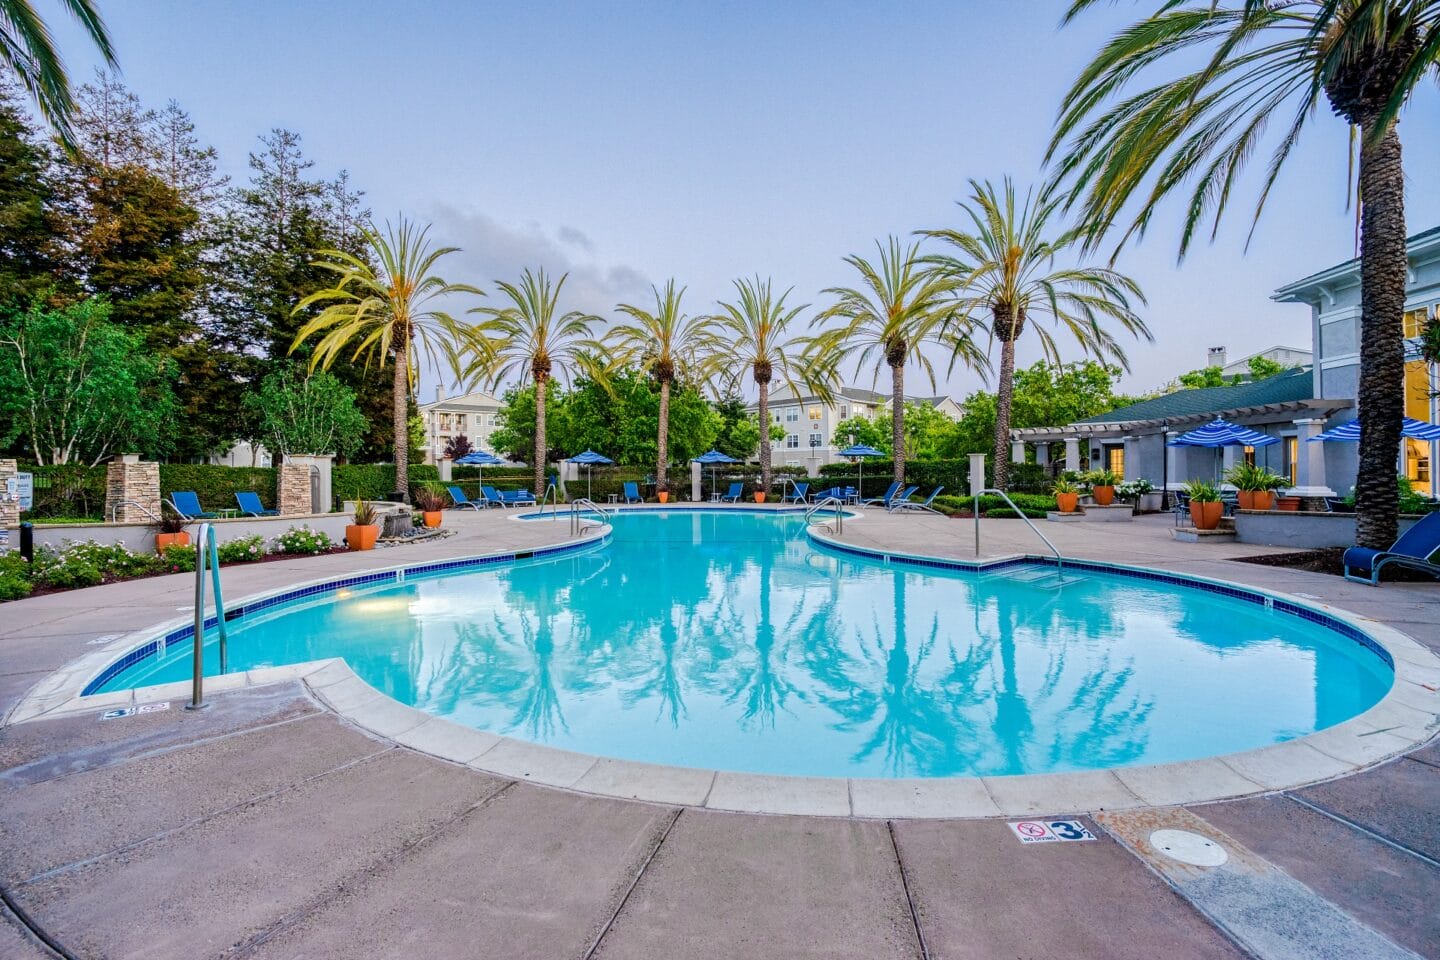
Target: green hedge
[(1034, 505), (215, 485), (953, 475), (375, 481)]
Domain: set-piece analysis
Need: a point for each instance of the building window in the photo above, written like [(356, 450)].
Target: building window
[(844, 411), (1292, 457), (792, 414), (1416, 319), (446, 421), (490, 420), (793, 441), (815, 413), (460, 422), (816, 439), (1250, 456), (1418, 390), (1115, 460)]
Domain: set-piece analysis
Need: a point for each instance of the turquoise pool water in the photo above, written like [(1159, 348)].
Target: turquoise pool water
[(727, 640)]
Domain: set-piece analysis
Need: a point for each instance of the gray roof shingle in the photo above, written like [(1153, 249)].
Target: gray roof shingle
[(1291, 385)]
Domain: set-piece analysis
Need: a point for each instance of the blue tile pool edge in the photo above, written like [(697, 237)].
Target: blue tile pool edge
[(264, 601), (1247, 594)]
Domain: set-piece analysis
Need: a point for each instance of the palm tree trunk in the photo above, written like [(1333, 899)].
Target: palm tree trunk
[(1381, 394), (1003, 394), (539, 460), (764, 414), (897, 420), (400, 417), (662, 440)]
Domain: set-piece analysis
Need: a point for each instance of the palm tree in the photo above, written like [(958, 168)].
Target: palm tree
[(661, 342), (1262, 64), (381, 313), (1006, 270), (902, 304), (27, 49), (753, 334), (528, 338)]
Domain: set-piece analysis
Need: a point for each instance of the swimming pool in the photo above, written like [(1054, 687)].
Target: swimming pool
[(729, 640)]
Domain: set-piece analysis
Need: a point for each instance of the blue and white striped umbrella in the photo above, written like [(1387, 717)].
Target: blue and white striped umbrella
[(590, 458), (1223, 433), (1409, 427), (859, 452), (481, 459)]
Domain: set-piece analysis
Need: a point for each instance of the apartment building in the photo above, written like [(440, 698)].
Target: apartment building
[(472, 415), (810, 422)]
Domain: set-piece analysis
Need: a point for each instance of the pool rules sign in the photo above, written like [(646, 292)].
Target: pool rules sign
[(1050, 831)]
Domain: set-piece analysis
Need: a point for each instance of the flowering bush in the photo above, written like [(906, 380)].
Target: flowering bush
[(302, 540), (1133, 489), (87, 563), (242, 550)]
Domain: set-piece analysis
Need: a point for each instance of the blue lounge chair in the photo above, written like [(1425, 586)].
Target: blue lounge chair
[(517, 497), (187, 504), (734, 495), (1414, 550), (493, 497), (900, 498), (251, 506), (797, 493), (904, 503), (890, 493), (460, 501), (632, 492)]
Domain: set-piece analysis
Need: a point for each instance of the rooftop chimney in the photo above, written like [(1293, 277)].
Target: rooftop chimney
[(1216, 357), (440, 396)]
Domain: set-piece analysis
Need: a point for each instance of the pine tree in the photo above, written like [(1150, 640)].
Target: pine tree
[(26, 245)]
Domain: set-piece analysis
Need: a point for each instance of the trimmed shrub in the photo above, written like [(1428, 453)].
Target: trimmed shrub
[(216, 486), (375, 481), (178, 558)]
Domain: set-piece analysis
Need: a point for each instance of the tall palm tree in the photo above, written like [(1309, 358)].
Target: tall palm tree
[(530, 338), (382, 313), (753, 335), (28, 50), (662, 343), (1262, 64), (902, 304), (1006, 272)]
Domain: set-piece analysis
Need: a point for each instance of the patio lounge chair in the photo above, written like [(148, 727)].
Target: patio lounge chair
[(490, 497), (885, 500), (460, 501), (1414, 549), (632, 492), (905, 504), (187, 504), (516, 497), (797, 493), (734, 495), (900, 498), (251, 506)]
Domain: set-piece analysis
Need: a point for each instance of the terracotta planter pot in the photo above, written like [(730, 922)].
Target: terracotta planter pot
[(664, 496), (759, 497), (1067, 502), (1289, 503), (1255, 499), (163, 540), (432, 518), (1104, 496), (361, 538), (1206, 516)]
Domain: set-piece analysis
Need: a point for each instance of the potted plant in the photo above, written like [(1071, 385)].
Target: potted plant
[(1255, 486), (1205, 506), (1067, 495), (170, 531), (759, 494), (361, 534), (1102, 487), (431, 502), (662, 491)]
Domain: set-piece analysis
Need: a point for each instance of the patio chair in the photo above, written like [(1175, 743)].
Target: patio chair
[(884, 501), (187, 504), (797, 493), (900, 498), (734, 495), (1181, 508), (905, 504), (517, 497), (460, 501), (490, 497), (632, 492), (251, 506), (1413, 550)]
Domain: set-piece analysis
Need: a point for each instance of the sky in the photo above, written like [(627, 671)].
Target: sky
[(627, 143)]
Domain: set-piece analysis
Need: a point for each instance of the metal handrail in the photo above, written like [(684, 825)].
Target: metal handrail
[(134, 503), (575, 505), (205, 550), (839, 506), (1059, 560), (554, 500)]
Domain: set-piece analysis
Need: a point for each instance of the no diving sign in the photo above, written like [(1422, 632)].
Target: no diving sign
[(1050, 831)]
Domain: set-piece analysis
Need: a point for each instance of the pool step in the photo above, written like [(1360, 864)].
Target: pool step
[(1040, 576)]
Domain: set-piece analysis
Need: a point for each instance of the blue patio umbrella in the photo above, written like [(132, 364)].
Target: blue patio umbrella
[(1222, 433), (589, 458), (480, 459), (1409, 427), (712, 457), (858, 452)]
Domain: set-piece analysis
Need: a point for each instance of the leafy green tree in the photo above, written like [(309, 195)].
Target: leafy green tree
[(76, 388), (27, 254), (620, 418), (927, 430), (863, 430), (902, 304), (529, 338), (1204, 377), (300, 413), (1042, 395), (514, 433), (1263, 368), (1231, 71), (28, 52), (1005, 268), (388, 315)]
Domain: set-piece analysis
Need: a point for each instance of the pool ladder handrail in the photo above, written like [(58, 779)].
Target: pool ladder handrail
[(575, 521), (821, 504), (115, 509), (1059, 560), (552, 497), (205, 550)]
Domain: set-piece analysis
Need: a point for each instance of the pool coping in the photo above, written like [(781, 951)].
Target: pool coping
[(1406, 717)]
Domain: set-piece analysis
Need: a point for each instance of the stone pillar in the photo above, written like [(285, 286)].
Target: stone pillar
[(1132, 458), (324, 464), (1072, 454), (447, 472), (977, 473), (1042, 454), (131, 489), (1017, 451), (1310, 461), (696, 479), (1174, 478), (9, 509), (292, 493)]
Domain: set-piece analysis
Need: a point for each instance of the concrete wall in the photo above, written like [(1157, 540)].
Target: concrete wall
[(1303, 531), (140, 536)]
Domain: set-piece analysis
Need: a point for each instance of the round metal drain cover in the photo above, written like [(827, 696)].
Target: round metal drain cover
[(1189, 848)]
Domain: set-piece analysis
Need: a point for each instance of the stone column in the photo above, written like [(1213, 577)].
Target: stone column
[(292, 493), (696, 472), (322, 462), (1310, 461), (447, 472), (1042, 454), (977, 473), (1017, 451), (132, 488), (1174, 480), (9, 509), (1072, 454)]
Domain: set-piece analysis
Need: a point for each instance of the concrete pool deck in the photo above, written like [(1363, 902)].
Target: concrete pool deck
[(270, 825)]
